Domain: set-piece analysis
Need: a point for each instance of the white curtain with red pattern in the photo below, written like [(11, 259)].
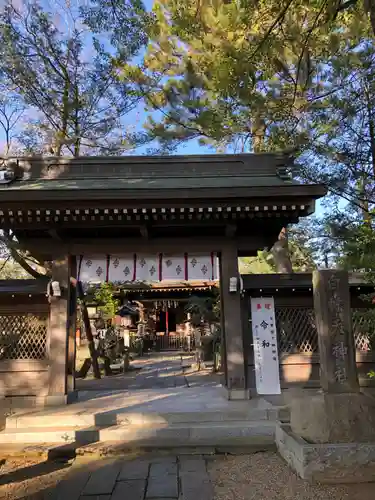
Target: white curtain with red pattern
[(147, 268), (93, 269), (173, 268), (150, 268), (202, 267), (121, 268)]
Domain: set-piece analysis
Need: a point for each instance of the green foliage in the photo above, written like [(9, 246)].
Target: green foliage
[(10, 270), (123, 21), (359, 250), (255, 265), (260, 76), (240, 75), (59, 90), (66, 78), (103, 298), (263, 263), (204, 309)]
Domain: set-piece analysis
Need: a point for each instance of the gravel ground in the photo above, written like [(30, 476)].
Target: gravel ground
[(261, 476), (32, 479), (265, 476)]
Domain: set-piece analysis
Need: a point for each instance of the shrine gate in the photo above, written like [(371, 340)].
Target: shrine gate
[(126, 218)]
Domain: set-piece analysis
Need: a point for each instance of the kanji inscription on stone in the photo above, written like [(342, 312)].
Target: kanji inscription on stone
[(338, 371)]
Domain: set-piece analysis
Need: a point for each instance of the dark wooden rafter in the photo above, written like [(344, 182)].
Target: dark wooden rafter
[(54, 235), (55, 218), (230, 230), (144, 232)]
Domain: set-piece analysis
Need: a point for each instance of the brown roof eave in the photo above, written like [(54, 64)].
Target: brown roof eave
[(313, 191), (294, 280)]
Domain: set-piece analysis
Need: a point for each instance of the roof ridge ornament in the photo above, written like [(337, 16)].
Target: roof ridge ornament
[(287, 171), (284, 173)]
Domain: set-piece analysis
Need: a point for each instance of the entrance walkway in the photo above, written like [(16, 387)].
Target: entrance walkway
[(156, 407), (153, 371), (260, 476), (157, 478), (148, 418)]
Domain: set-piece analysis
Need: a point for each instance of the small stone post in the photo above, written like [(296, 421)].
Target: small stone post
[(338, 371)]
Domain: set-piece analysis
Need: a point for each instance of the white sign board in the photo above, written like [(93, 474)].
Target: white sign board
[(266, 357)]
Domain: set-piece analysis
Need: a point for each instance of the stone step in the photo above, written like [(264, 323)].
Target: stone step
[(209, 433), (46, 435), (147, 418), (168, 435)]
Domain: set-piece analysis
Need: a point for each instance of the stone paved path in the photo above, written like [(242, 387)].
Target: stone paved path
[(159, 478), (157, 370)]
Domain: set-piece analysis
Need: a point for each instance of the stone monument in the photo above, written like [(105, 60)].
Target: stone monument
[(332, 433)]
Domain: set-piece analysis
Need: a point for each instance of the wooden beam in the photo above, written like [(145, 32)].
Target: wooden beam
[(135, 197), (54, 235), (144, 232), (230, 230), (53, 249)]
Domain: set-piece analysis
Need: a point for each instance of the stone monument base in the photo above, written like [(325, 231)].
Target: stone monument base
[(236, 394), (326, 463), (334, 418)]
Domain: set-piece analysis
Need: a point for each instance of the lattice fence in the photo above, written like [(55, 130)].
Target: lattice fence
[(296, 328), (364, 328), (23, 336)]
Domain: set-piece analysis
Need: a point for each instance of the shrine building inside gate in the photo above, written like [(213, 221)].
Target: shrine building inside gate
[(118, 213)]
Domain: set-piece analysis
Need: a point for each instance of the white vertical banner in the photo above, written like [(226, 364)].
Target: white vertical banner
[(266, 357)]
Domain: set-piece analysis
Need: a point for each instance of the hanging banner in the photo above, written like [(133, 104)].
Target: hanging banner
[(121, 268), (93, 269), (202, 267), (174, 267), (148, 268), (266, 357)]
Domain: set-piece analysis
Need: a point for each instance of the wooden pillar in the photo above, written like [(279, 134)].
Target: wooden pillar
[(232, 323), (58, 335), (72, 326)]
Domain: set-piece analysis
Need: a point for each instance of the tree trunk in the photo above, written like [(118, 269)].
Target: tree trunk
[(280, 253), (369, 6), (364, 181), (280, 249)]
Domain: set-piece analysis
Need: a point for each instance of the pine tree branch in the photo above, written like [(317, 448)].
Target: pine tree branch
[(13, 248), (277, 21), (346, 5)]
